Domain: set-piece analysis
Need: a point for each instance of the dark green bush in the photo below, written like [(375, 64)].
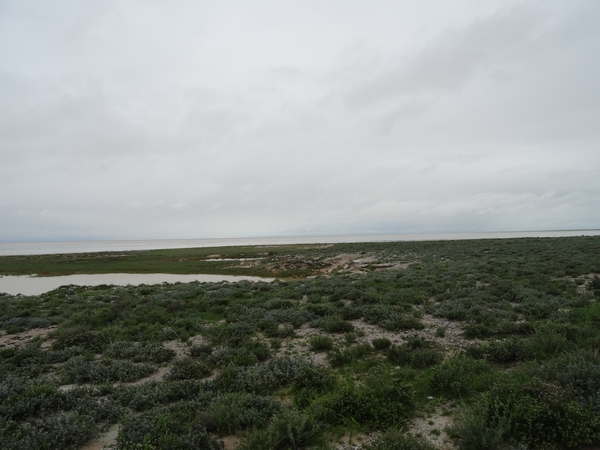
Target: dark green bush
[(80, 370), (157, 393), (288, 430), (139, 352), (502, 351), (380, 403), (57, 431), (188, 369), (381, 343), (416, 352), (173, 428), (474, 430), (338, 358), (319, 343), (89, 340), (533, 413), (262, 378), (232, 413), (459, 376), (334, 324)]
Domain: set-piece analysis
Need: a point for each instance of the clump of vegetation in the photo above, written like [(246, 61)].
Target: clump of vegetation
[(381, 343), (416, 352), (319, 343)]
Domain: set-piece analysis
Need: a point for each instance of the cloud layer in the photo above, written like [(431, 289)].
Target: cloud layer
[(141, 119)]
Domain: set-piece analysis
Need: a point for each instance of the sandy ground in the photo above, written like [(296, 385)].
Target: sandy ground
[(430, 425), (107, 440), (20, 339)]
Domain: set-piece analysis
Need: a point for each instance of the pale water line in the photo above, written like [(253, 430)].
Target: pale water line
[(48, 248), (32, 285)]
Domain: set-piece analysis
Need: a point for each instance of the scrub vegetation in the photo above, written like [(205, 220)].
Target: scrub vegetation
[(488, 344)]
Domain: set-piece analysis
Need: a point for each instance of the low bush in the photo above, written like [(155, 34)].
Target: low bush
[(152, 394), (89, 340), (417, 353), (260, 379), (504, 351), (232, 413), (188, 369), (530, 412), (173, 428), (474, 431), (288, 430), (460, 376), (319, 343), (62, 430), (338, 358), (139, 352), (381, 343), (377, 404), (80, 370), (334, 324)]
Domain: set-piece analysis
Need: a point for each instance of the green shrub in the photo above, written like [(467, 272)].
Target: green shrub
[(80, 370), (381, 343), (188, 369), (262, 378), (61, 430), (533, 413), (139, 352), (89, 340), (459, 376), (338, 358), (288, 430), (378, 404), (201, 351), (417, 353), (504, 351), (173, 428), (334, 324), (350, 338), (474, 431), (579, 373), (152, 394), (310, 383), (319, 343), (232, 413)]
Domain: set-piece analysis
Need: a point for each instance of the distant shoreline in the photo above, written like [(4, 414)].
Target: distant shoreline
[(50, 248)]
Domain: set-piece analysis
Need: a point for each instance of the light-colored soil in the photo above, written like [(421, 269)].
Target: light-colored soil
[(351, 443), (230, 442), (107, 440), (453, 337), (20, 339), (427, 427), (181, 349)]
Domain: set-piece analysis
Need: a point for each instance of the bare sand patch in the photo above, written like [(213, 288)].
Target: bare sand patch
[(25, 337), (432, 427), (107, 440)]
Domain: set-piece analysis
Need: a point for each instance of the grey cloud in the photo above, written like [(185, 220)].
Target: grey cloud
[(142, 120)]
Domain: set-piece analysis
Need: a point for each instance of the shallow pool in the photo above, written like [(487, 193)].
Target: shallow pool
[(32, 285)]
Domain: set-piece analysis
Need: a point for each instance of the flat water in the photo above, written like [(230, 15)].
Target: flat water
[(47, 248), (32, 285)]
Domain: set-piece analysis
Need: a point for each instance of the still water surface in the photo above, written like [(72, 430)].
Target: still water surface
[(28, 285), (46, 248)]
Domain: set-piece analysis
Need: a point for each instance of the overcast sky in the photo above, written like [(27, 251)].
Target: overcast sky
[(191, 119)]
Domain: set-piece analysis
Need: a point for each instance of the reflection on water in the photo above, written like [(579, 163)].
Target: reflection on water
[(28, 285), (48, 248)]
